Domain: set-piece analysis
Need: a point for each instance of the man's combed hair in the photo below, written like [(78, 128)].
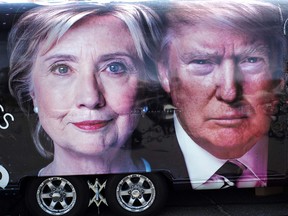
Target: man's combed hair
[(255, 18)]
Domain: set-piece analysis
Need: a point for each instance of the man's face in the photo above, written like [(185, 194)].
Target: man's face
[(222, 85)]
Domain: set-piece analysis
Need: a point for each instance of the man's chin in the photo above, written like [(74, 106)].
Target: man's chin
[(230, 151)]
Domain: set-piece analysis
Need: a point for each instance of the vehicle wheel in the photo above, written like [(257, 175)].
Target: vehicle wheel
[(136, 194), (67, 196)]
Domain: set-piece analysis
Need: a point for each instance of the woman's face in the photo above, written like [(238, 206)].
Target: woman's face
[(86, 87)]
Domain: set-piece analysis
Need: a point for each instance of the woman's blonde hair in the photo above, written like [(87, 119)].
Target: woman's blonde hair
[(47, 24)]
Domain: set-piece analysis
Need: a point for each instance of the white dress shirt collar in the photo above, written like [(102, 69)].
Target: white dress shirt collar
[(201, 165)]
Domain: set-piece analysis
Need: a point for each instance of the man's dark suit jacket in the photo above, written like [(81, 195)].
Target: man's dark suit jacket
[(161, 148)]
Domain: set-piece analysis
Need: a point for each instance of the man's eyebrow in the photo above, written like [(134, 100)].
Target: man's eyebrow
[(251, 49), (186, 57), (262, 49), (62, 57)]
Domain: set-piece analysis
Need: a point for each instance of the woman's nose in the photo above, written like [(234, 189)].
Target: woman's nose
[(89, 93), (227, 82)]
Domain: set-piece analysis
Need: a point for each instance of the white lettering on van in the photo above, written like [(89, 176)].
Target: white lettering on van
[(4, 177), (6, 118)]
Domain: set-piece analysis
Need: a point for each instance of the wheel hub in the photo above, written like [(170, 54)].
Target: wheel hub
[(136, 194), (58, 195)]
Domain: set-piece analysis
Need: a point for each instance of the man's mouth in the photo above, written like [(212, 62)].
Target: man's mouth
[(232, 120)]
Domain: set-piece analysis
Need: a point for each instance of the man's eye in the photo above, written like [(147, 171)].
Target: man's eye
[(116, 68), (253, 65), (200, 61), (201, 67), (252, 59)]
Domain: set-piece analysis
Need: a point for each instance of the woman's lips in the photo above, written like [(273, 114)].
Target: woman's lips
[(91, 125)]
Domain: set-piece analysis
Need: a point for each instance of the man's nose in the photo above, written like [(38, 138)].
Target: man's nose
[(227, 81), (89, 93)]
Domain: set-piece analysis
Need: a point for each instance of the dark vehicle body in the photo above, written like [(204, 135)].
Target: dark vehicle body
[(128, 193)]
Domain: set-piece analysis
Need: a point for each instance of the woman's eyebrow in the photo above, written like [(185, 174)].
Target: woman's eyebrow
[(114, 55), (62, 57)]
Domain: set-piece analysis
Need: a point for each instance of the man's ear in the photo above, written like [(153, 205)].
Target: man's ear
[(282, 84), (163, 75)]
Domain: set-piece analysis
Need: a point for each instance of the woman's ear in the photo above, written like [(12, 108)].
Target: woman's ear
[(32, 95), (163, 75)]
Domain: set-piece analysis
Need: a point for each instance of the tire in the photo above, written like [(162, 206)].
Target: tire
[(136, 194), (67, 196)]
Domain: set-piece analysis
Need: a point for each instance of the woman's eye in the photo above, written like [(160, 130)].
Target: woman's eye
[(117, 68), (60, 69)]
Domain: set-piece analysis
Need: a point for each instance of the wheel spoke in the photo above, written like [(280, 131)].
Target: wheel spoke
[(69, 194), (62, 185), (50, 185), (129, 183), (52, 204), (45, 196), (148, 191), (141, 181), (63, 204), (124, 193), (142, 201), (131, 201)]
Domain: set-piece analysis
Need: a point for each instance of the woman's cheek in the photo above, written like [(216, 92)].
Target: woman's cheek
[(125, 102)]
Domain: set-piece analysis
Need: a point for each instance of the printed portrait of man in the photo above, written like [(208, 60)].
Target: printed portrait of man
[(222, 65)]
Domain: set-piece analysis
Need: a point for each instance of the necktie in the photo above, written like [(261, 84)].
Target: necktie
[(230, 171), (226, 176)]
